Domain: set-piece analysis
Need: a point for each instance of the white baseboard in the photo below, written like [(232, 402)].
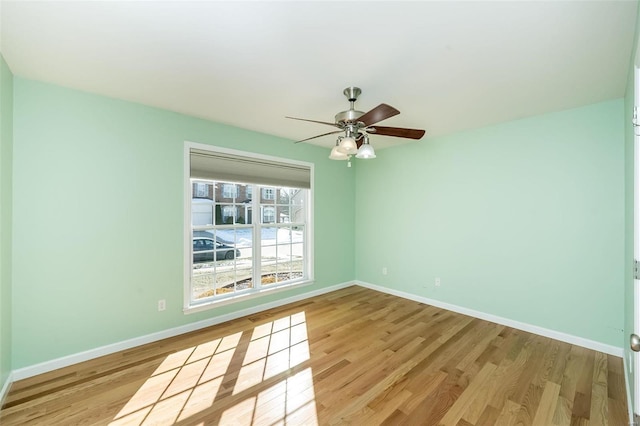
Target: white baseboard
[(5, 388), (65, 361), (44, 367), (563, 337)]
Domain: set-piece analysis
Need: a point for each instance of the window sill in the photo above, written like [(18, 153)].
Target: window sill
[(242, 297)]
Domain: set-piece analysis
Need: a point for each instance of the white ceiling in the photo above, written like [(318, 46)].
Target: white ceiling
[(447, 66)]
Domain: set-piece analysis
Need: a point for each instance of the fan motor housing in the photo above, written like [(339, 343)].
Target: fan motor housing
[(350, 115)]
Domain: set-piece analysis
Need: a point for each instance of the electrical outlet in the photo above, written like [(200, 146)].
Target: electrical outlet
[(384, 270), (437, 281), (162, 305)]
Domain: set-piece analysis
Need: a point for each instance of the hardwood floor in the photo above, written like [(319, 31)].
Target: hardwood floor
[(354, 356)]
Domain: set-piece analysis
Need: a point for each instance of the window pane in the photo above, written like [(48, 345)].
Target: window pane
[(283, 214), (243, 204), (202, 281), (202, 190), (201, 212), (284, 271), (268, 214), (245, 214), (244, 262), (228, 214), (218, 215), (281, 254), (297, 206), (268, 235), (290, 265), (244, 278), (268, 255), (225, 281), (297, 235), (283, 195), (297, 256)]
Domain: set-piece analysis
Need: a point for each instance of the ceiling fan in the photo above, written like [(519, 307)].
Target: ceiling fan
[(358, 125)]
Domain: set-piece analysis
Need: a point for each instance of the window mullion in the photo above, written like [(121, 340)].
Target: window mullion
[(257, 237)]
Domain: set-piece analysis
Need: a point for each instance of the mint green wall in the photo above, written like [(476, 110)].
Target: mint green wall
[(523, 220), (6, 148), (98, 218)]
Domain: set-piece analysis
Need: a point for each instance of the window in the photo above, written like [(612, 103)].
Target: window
[(228, 214), (229, 190), (268, 215), (267, 194), (230, 254), (201, 190)]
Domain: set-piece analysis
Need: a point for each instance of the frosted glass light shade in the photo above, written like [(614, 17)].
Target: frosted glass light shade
[(366, 151), (348, 145), (337, 155)]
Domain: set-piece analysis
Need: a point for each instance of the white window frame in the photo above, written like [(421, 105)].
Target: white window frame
[(189, 307)]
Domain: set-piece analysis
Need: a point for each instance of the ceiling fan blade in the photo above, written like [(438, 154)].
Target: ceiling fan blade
[(313, 121), (379, 113), (319, 136), (399, 132)]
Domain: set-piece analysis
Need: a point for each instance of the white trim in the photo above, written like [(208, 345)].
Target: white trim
[(568, 338), (625, 366), (244, 296), (186, 238), (44, 367), (635, 403), (5, 387)]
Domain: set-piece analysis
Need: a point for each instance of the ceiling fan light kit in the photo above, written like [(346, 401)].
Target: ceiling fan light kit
[(347, 145), (357, 126), (337, 155), (366, 151)]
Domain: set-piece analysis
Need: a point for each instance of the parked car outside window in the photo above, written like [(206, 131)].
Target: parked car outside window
[(205, 248)]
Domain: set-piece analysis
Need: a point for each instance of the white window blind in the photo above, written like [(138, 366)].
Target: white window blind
[(219, 166)]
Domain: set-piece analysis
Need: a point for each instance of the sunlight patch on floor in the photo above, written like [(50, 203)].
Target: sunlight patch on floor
[(190, 381), (289, 401)]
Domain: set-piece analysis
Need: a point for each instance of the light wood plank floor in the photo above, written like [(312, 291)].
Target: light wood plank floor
[(354, 356)]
